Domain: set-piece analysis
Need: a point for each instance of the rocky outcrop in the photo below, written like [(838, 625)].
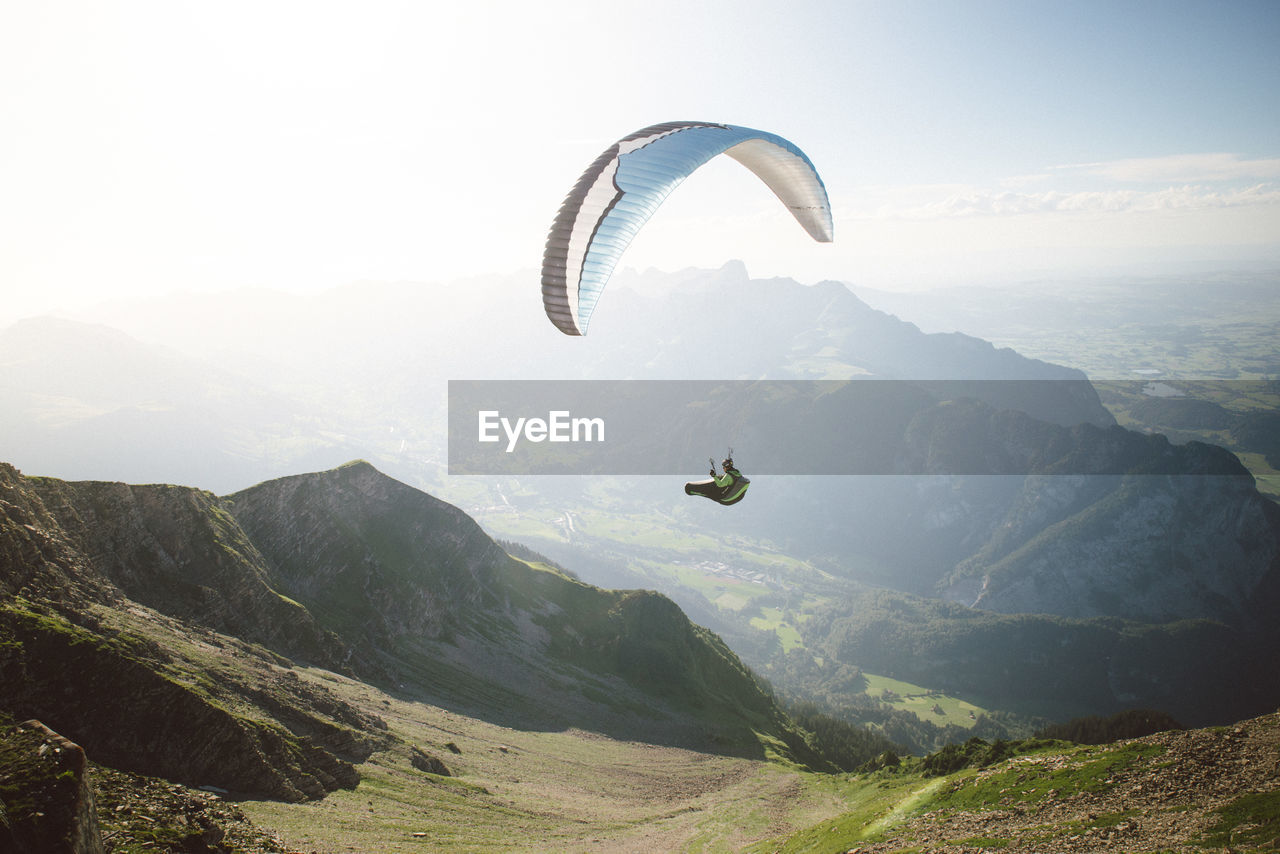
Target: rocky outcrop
[(36, 557), (1111, 522), (424, 761), (178, 550), (46, 800), (117, 697)]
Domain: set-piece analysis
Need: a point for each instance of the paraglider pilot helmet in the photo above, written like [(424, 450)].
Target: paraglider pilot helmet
[(727, 463)]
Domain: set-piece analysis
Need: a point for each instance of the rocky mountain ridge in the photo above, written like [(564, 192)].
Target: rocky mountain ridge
[(146, 624), (382, 581)]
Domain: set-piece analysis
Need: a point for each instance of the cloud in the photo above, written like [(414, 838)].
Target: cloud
[(1016, 181), (1180, 169), (950, 203)]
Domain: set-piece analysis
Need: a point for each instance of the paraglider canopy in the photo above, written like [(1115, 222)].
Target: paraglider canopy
[(626, 184)]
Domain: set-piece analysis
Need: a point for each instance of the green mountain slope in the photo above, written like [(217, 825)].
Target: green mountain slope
[(1178, 791), (480, 703), (426, 599), (151, 627), (1200, 671)]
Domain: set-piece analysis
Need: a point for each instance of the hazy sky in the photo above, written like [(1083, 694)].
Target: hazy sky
[(155, 146)]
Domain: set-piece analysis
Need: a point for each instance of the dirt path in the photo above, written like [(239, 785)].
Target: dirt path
[(527, 790)]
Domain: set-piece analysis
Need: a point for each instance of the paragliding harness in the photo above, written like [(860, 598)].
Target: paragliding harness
[(725, 489)]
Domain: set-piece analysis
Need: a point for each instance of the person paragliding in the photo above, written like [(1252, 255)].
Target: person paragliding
[(728, 488)]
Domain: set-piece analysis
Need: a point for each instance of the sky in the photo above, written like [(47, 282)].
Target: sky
[(152, 146)]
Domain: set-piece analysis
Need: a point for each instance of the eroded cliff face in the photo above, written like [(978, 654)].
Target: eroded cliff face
[(126, 703), (1101, 522), (104, 587), (1156, 548), (36, 557), (46, 799), (180, 551)]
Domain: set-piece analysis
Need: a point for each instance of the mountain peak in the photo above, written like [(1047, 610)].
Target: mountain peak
[(356, 470), (357, 474), (732, 271)]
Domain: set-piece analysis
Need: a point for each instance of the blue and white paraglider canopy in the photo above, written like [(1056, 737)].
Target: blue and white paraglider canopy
[(626, 184)]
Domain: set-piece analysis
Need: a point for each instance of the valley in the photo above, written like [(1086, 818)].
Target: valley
[(363, 366), (526, 719), (511, 789), (381, 656)]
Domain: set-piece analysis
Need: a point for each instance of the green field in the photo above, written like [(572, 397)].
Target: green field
[(774, 620), (932, 706)]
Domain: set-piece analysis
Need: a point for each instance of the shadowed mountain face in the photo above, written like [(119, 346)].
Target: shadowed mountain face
[(1007, 513), (152, 627)]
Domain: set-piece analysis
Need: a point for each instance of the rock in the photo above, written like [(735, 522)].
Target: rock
[(426, 762), (47, 802), (165, 729)]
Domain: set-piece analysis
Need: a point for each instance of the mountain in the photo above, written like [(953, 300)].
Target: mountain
[(988, 507), (1198, 670), (420, 592), (1021, 495), (724, 324), (1179, 790), (231, 390), (693, 324), (341, 636), (93, 400), (1112, 523), (158, 632)]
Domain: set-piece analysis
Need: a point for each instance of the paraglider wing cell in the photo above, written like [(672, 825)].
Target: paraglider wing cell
[(623, 187)]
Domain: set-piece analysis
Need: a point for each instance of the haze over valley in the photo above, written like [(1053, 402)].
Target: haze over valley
[(920, 609)]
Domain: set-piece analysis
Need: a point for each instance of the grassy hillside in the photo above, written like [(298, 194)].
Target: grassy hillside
[(510, 789), (541, 714), (1177, 791)]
